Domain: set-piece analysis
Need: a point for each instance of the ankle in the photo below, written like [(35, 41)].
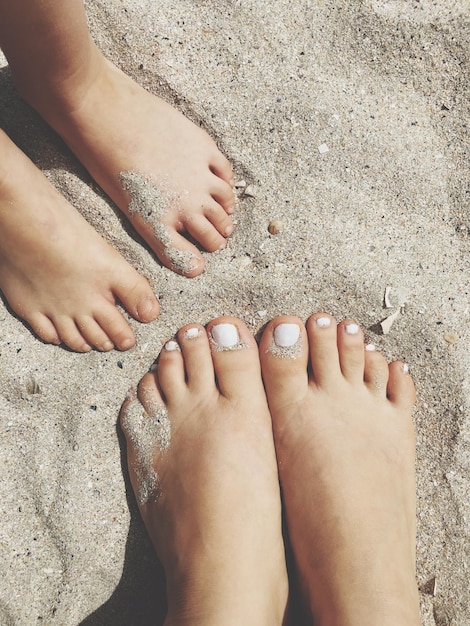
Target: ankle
[(369, 609), (53, 94), (215, 600)]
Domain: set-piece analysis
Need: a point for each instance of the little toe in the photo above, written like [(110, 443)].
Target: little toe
[(144, 421), (283, 352), (400, 389), (235, 357), (351, 351), (93, 334), (115, 327), (44, 328), (323, 347), (70, 335), (375, 371)]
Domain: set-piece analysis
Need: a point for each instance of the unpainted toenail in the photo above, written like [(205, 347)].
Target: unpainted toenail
[(226, 336), (108, 345), (126, 344), (352, 329), (286, 335), (192, 333), (323, 322), (146, 307), (370, 347), (171, 346)]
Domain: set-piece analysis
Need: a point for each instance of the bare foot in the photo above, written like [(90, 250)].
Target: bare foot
[(166, 174), (345, 448), (202, 463), (56, 272)]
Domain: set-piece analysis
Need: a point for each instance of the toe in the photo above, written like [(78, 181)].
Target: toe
[(323, 347), (284, 356), (219, 219), (235, 356), (44, 328), (400, 389), (93, 334), (375, 371), (70, 335), (220, 166), (197, 358), (204, 232), (115, 327), (136, 296), (351, 351), (223, 194), (179, 254), (169, 371)]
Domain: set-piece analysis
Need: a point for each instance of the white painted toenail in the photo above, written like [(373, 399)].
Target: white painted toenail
[(192, 333), (225, 336), (323, 322), (406, 369), (171, 346), (286, 335), (370, 347), (352, 329)]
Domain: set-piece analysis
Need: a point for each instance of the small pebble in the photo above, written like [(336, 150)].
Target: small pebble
[(323, 148), (450, 337), (275, 227), (250, 192)]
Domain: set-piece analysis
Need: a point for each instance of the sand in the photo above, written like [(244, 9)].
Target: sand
[(348, 123)]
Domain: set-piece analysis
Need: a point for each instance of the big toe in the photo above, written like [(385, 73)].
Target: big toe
[(136, 296), (284, 355), (235, 358)]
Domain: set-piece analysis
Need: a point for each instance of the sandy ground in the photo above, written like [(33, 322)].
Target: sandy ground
[(383, 84)]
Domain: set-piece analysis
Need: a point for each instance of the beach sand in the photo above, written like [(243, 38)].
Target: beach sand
[(348, 123)]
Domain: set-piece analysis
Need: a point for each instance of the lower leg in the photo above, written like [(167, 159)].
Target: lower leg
[(345, 448)]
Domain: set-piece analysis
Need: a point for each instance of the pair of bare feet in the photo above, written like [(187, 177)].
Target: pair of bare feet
[(214, 428), (56, 272)]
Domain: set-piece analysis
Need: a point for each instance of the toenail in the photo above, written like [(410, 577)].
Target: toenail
[(370, 347), (146, 307), (229, 230), (225, 336), (352, 329), (323, 322), (171, 346), (126, 344), (108, 345), (406, 369), (286, 335), (192, 333)]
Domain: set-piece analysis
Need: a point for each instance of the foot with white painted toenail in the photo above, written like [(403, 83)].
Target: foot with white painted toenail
[(203, 467), (345, 448)]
